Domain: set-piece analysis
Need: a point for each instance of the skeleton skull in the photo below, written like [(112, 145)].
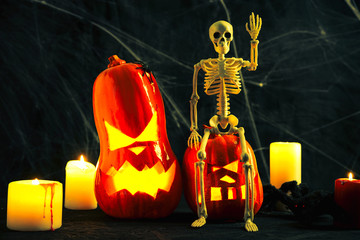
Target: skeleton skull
[(221, 34)]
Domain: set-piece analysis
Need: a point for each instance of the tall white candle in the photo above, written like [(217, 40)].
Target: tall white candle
[(34, 205), (285, 163), (80, 185)]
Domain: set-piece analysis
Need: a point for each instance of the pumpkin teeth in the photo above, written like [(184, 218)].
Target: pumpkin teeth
[(148, 180)]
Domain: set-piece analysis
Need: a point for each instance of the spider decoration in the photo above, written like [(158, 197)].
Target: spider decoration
[(146, 70), (306, 205)]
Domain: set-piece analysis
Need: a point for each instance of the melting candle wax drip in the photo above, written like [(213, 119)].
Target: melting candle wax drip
[(52, 186)]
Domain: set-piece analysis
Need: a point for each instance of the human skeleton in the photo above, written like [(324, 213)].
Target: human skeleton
[(222, 78)]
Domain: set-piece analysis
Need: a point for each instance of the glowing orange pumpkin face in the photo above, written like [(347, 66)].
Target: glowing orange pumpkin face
[(127, 177), (138, 175), (230, 182), (224, 179)]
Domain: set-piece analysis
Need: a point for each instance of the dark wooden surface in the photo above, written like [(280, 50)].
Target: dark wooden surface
[(95, 224)]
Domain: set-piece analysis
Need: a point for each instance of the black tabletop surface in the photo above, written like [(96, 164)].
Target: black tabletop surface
[(94, 224)]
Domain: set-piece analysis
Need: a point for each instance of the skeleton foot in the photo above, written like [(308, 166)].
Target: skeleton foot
[(250, 226), (199, 222)]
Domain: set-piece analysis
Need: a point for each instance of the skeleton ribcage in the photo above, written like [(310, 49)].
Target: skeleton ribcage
[(222, 78), (224, 73)]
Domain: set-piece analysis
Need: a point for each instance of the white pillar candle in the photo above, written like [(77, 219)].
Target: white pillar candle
[(80, 185), (285, 163), (34, 205)]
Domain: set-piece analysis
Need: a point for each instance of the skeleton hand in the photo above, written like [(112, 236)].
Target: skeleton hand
[(194, 139), (255, 26)]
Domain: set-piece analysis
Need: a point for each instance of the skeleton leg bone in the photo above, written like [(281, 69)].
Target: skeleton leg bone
[(199, 180), (250, 226)]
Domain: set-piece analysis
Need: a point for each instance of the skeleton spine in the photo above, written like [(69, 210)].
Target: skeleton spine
[(223, 105)]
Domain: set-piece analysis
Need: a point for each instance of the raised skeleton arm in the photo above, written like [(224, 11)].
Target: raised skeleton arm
[(255, 26)]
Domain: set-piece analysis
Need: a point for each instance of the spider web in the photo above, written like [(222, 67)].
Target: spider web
[(305, 89)]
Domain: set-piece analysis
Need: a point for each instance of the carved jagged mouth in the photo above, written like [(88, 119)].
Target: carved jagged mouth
[(148, 180)]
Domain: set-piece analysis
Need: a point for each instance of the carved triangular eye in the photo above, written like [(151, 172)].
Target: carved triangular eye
[(233, 166), (215, 168), (117, 139), (150, 133)]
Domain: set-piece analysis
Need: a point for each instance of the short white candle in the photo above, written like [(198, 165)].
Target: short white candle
[(34, 205), (80, 185), (285, 163)]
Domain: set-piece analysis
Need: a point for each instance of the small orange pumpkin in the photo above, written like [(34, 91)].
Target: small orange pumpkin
[(224, 178)]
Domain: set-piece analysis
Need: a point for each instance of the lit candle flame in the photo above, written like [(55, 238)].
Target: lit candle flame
[(35, 182), (82, 163), (350, 176)]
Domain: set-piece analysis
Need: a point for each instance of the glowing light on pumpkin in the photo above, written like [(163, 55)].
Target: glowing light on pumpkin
[(215, 194), (137, 150), (243, 192), (350, 176), (231, 167), (148, 180), (231, 193), (214, 169), (117, 139), (227, 179)]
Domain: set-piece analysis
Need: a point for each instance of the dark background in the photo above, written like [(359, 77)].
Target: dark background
[(306, 88)]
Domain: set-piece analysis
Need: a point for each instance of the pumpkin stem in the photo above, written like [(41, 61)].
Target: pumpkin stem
[(114, 61)]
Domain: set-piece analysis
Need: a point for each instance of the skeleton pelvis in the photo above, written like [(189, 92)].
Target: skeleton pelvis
[(223, 121), (224, 179)]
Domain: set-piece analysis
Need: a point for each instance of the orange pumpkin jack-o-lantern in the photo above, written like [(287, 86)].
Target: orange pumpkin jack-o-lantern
[(224, 178), (137, 174)]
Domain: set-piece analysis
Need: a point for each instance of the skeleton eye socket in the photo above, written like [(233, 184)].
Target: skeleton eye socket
[(228, 35), (216, 35)]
